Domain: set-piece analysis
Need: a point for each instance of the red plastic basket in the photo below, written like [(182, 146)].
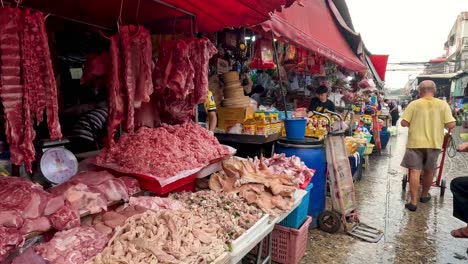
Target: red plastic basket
[(289, 244)]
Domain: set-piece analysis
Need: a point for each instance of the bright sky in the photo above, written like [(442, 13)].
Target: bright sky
[(407, 30)]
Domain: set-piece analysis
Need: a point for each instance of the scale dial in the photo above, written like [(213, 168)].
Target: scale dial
[(58, 165)]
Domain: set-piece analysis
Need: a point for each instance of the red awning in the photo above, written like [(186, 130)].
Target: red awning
[(380, 64), (310, 24), (211, 15)]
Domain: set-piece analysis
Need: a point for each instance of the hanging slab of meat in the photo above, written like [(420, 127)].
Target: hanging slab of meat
[(181, 78), (164, 151), (29, 77), (201, 50), (116, 96), (129, 85), (11, 91), (48, 76), (74, 246)]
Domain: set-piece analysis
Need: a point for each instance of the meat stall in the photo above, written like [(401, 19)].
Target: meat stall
[(146, 176)]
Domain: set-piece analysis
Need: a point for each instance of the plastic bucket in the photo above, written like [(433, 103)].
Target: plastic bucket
[(295, 128)]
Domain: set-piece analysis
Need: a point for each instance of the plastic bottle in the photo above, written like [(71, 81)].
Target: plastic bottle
[(263, 127), (250, 126)]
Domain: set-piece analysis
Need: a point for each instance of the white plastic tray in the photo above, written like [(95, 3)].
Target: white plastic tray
[(255, 236), (250, 233)]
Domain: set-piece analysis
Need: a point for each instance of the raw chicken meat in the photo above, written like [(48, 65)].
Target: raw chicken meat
[(164, 151), (74, 246), (257, 184), (155, 203), (164, 236)]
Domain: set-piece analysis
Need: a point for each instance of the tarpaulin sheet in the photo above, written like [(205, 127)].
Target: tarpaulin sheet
[(211, 15), (380, 64), (310, 24)]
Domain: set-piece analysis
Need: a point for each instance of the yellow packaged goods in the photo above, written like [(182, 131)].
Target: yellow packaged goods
[(250, 126), (263, 126), (229, 116)]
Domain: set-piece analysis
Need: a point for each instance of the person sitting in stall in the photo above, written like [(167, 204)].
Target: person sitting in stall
[(207, 112), (256, 93), (321, 102)]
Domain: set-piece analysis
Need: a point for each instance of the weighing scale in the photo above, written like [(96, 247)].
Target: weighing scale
[(57, 163)]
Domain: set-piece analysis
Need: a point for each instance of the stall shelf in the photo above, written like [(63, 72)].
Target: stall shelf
[(249, 145)]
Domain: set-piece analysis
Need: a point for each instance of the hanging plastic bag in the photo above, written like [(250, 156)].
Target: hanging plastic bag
[(263, 55)]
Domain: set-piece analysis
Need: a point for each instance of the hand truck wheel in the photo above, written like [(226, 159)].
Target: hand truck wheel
[(443, 186), (404, 182), (329, 222)]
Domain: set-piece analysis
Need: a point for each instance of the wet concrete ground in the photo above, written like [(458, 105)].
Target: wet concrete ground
[(409, 237)]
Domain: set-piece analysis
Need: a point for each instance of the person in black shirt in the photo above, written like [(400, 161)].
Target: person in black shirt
[(321, 102)]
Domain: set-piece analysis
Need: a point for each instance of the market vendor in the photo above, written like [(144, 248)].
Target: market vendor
[(321, 102), (207, 112)]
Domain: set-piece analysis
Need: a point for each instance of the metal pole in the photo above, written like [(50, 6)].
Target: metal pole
[(275, 55)]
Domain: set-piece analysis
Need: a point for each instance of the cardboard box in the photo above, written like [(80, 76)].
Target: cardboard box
[(228, 117)]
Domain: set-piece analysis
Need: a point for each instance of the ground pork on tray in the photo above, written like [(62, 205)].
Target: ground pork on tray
[(164, 151), (164, 236)]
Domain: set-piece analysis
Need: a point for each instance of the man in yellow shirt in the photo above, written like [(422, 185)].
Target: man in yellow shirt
[(426, 118)]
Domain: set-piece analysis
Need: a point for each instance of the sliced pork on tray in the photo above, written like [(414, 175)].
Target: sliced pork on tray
[(92, 191)]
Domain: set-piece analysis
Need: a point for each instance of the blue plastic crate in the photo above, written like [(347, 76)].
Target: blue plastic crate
[(297, 217)]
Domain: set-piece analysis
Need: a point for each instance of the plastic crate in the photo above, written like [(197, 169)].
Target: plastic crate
[(297, 217), (289, 244)]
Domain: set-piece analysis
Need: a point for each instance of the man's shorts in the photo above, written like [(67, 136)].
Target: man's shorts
[(420, 159)]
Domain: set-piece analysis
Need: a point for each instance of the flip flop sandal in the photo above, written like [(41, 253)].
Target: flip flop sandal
[(459, 233), (425, 199), (411, 207)]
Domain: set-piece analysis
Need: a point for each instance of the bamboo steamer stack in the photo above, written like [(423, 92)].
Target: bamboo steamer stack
[(234, 92)]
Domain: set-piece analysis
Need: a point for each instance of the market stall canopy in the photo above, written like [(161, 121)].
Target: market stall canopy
[(172, 15), (310, 24), (380, 64)]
